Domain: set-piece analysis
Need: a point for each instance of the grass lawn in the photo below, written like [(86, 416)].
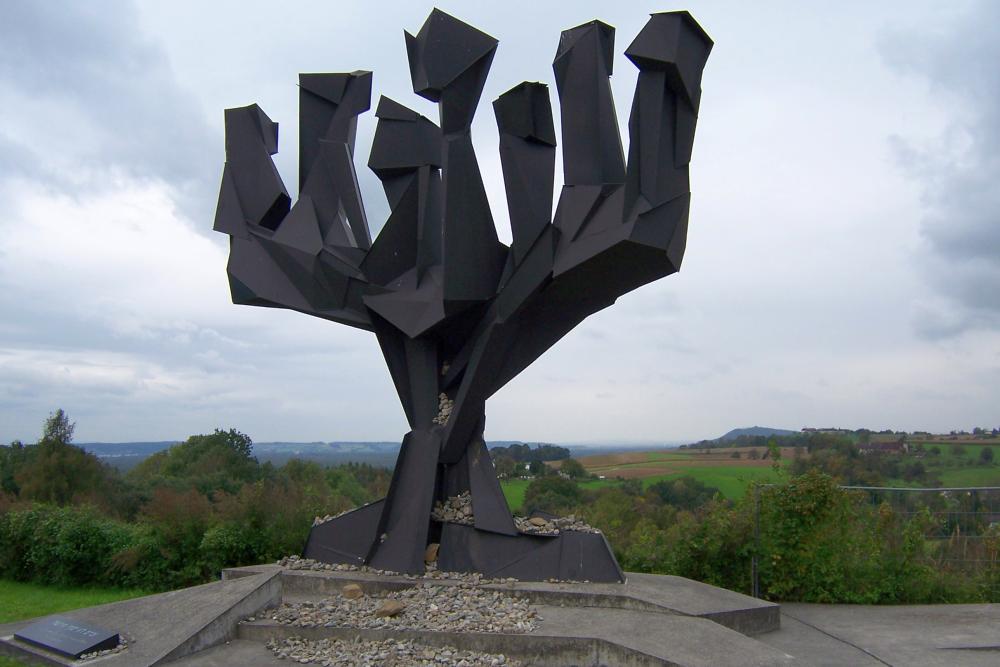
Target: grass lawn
[(19, 601), (513, 490)]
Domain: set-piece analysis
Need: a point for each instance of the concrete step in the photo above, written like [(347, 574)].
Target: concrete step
[(641, 592), (572, 635)]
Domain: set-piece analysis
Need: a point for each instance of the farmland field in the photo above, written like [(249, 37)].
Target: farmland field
[(731, 470), (642, 465), (716, 468)]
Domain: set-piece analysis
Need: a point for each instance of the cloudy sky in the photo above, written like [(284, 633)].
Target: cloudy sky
[(843, 262)]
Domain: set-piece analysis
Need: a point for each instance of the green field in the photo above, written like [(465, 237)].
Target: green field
[(979, 476), (731, 481)]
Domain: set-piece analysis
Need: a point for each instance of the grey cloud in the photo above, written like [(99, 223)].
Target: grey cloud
[(16, 159), (959, 172), (108, 93)]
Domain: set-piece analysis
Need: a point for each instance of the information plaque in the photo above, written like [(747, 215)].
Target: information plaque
[(67, 636)]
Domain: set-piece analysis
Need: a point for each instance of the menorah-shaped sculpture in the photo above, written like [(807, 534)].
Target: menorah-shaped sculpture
[(456, 312)]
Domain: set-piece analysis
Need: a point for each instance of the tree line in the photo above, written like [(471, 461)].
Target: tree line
[(175, 519), (184, 513)]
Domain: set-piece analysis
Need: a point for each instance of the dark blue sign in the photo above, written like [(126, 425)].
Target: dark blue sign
[(67, 636)]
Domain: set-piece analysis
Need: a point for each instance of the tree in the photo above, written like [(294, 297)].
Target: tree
[(774, 451), (753, 455), (12, 460), (58, 428), (574, 469), (684, 492), (735, 454), (506, 467), (986, 455), (55, 471), (221, 461), (914, 471), (536, 468), (551, 494)]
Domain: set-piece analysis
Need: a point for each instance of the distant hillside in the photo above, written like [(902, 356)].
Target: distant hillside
[(756, 431), (125, 455), (113, 450)]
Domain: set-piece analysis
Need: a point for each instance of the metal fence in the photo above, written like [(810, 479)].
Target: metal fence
[(962, 527)]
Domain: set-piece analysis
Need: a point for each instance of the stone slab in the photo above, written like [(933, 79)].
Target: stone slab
[(67, 636)]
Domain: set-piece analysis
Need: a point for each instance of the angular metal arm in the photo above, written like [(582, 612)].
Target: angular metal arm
[(615, 228), (307, 257)]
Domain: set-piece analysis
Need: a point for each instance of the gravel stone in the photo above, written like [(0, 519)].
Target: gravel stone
[(458, 509), (122, 646), (352, 591), (390, 608), (445, 406), (359, 653), (427, 606)]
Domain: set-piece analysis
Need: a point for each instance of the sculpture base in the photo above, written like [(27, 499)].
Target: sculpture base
[(568, 556)]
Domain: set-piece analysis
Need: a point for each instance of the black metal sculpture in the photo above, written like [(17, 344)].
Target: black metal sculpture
[(457, 313)]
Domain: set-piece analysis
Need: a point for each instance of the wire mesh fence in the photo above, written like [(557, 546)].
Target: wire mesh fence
[(960, 527)]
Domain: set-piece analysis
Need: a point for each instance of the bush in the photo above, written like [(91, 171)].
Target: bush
[(816, 544), (67, 546), (551, 494), (685, 492)]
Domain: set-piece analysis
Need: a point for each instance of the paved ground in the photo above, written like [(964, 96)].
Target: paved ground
[(911, 636), (652, 620)]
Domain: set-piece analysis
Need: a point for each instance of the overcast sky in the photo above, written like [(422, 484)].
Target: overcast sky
[(842, 268)]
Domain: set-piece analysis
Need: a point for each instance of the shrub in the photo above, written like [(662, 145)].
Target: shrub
[(69, 546), (551, 494)]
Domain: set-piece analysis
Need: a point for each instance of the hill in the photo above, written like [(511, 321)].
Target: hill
[(756, 431)]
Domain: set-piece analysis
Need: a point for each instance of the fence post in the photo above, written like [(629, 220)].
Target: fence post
[(754, 571)]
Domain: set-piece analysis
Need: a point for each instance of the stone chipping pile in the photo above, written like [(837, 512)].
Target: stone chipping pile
[(330, 517), (458, 509), (359, 653), (445, 406), (460, 608), (122, 646)]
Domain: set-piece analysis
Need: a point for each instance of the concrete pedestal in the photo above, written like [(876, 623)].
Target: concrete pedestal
[(648, 620)]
